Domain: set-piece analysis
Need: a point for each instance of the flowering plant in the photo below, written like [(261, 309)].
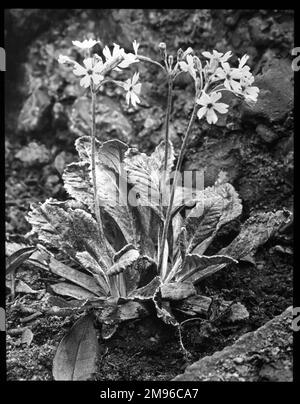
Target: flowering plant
[(126, 249)]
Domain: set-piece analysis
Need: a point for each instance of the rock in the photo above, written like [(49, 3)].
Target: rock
[(238, 312), (218, 156), (261, 355), (110, 122), (35, 112), (33, 153), (275, 99), (266, 134)]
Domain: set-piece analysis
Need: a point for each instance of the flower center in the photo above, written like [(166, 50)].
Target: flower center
[(90, 71), (210, 105)]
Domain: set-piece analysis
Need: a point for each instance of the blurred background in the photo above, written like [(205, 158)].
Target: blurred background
[(46, 109)]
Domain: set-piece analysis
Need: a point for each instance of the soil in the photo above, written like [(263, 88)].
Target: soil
[(256, 154)]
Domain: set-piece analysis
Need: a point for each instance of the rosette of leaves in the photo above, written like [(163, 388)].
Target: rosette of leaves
[(114, 270)]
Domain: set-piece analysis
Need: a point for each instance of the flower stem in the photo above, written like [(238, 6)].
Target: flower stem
[(93, 163), (177, 170), (169, 105)]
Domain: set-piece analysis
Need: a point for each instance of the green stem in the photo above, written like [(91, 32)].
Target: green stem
[(177, 170), (93, 163), (146, 59), (169, 105)]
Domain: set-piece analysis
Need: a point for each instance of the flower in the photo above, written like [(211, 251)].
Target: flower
[(65, 60), (135, 46), (86, 44), (217, 56), (249, 92), (209, 105), (91, 71), (245, 70), (230, 75), (128, 58), (189, 66), (133, 89)]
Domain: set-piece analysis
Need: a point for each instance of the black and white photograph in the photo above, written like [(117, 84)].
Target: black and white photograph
[(149, 187)]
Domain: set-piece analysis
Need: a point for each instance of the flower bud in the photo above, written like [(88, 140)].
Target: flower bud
[(188, 52), (162, 46), (170, 61), (179, 55), (197, 63)]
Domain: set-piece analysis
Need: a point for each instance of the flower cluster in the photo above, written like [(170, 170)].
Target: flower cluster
[(95, 68), (216, 76)]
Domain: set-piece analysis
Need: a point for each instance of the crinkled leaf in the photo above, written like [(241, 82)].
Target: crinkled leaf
[(70, 230), (111, 182), (195, 263), (177, 290), (128, 257), (77, 183), (254, 232), (202, 221), (139, 274), (76, 355), (146, 174), (163, 309), (146, 292)]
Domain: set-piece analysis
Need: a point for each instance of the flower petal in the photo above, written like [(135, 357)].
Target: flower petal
[(88, 63), (79, 70), (211, 116), (201, 112), (85, 81), (221, 107)]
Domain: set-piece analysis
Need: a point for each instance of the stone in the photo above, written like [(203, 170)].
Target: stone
[(261, 355), (276, 96), (110, 121), (266, 134)]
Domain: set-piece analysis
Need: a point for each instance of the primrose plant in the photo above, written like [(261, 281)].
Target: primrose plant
[(133, 238)]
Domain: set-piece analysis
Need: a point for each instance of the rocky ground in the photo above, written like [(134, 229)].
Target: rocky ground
[(46, 111)]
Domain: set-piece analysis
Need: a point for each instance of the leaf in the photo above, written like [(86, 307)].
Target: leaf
[(17, 258), (254, 232), (78, 184), (91, 265), (76, 355), (67, 289), (146, 292), (22, 287), (177, 290), (77, 277), (202, 221), (126, 259), (164, 265), (146, 174), (69, 229), (215, 207), (195, 263), (111, 182), (163, 309), (138, 275)]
